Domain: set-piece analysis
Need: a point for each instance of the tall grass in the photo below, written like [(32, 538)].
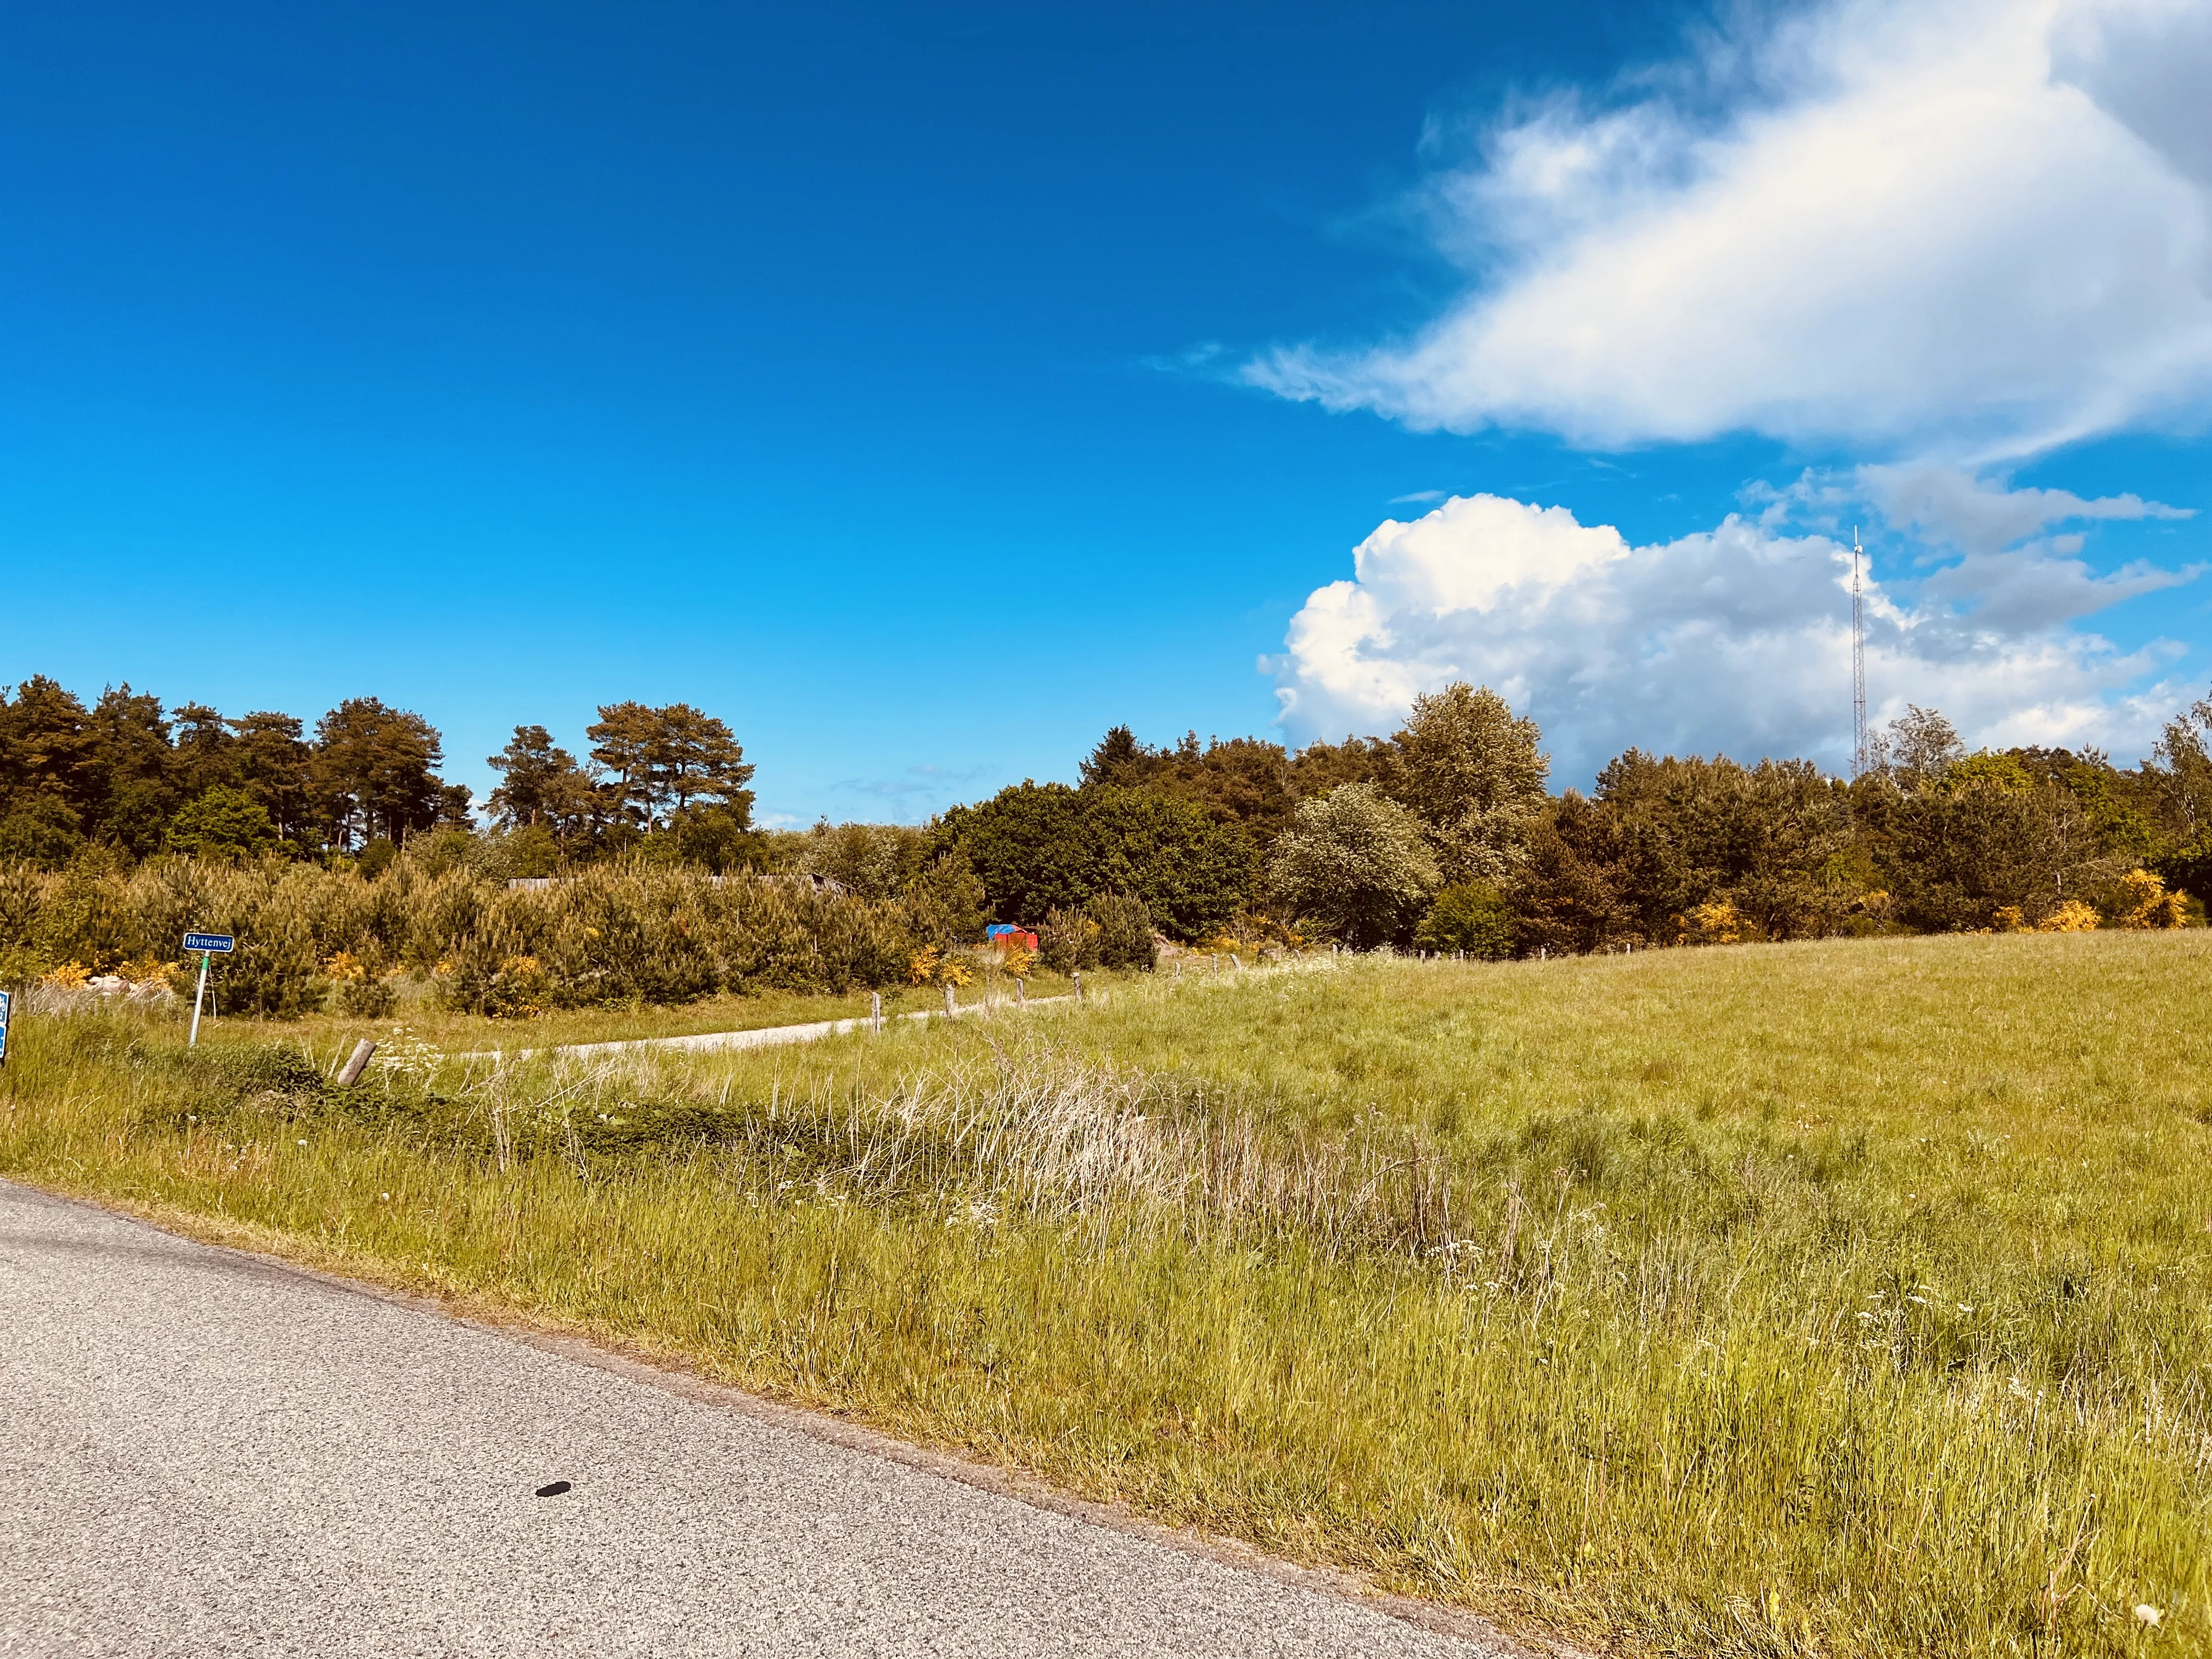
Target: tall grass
[(1842, 1298)]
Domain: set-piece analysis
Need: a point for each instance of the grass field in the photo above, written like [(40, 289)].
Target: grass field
[(1843, 1298)]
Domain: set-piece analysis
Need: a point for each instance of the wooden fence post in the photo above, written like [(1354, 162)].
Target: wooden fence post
[(358, 1063)]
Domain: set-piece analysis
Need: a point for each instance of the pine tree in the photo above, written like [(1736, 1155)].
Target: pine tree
[(375, 772), (276, 766)]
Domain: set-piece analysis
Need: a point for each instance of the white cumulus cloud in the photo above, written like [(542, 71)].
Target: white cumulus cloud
[(1973, 227), (1733, 640)]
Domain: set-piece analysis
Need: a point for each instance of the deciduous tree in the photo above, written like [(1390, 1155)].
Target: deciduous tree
[(2183, 770), (1920, 748), (1473, 773), (869, 861), (1357, 864)]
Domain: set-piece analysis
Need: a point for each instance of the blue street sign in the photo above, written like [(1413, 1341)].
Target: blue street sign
[(217, 942), (6, 1003)]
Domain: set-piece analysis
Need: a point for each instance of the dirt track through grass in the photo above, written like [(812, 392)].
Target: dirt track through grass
[(1847, 1298)]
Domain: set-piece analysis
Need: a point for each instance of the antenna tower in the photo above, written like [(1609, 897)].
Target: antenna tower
[(1859, 756)]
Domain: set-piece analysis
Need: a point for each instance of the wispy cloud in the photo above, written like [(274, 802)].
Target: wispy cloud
[(1978, 515), (1207, 358), (1974, 227), (918, 790)]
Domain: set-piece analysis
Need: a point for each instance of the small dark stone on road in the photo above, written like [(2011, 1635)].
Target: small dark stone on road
[(553, 1491)]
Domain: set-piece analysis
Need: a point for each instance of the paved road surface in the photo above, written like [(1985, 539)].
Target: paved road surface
[(204, 1454)]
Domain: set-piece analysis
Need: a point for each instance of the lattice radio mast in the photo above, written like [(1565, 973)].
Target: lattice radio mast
[(1859, 756)]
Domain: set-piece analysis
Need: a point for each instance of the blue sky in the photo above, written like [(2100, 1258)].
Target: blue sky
[(924, 390)]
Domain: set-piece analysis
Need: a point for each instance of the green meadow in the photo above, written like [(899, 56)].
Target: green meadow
[(1834, 1299)]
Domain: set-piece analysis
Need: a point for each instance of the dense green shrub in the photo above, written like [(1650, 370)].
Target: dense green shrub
[(944, 902), (1472, 916), (1112, 930), (222, 823), (868, 861), (2187, 868), (1125, 931), (1038, 848), (629, 933), (1068, 940)]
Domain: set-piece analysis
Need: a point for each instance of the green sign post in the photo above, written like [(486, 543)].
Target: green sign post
[(208, 945)]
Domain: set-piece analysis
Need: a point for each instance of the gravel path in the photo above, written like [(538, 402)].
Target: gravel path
[(760, 1037), (203, 1452)]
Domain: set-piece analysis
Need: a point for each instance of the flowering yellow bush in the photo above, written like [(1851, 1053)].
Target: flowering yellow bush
[(1717, 923), (931, 966), (2071, 917), (519, 988), (2146, 903), (69, 976)]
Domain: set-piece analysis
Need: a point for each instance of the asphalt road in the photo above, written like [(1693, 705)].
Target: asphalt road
[(203, 1452)]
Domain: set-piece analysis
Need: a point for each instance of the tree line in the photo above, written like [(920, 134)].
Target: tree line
[(128, 775), (1444, 836)]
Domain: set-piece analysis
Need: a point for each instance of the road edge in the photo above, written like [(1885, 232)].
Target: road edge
[(671, 1375)]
